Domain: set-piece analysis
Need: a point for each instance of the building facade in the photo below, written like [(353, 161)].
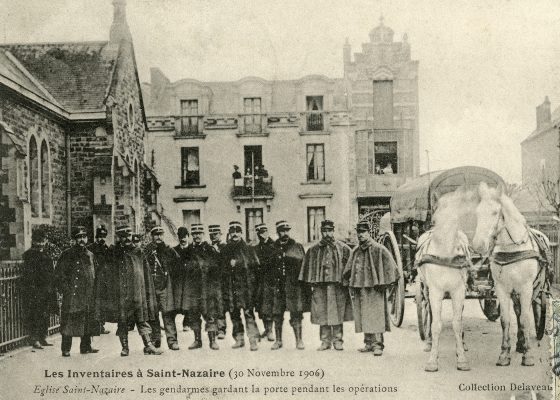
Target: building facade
[(73, 128), (330, 148)]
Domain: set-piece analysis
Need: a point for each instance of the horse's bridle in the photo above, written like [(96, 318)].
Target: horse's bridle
[(496, 232)]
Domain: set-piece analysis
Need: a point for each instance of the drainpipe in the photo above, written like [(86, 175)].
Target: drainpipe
[(68, 189)]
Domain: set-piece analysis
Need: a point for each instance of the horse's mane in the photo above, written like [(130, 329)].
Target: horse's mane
[(450, 211), (513, 219)]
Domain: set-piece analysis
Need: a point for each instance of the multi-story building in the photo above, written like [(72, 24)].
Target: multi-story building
[(72, 124), (328, 146)]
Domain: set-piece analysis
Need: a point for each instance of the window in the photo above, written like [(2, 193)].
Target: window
[(252, 111), (253, 158), (253, 217), (383, 104), (189, 117), (190, 168), (45, 179), (34, 177), (314, 113), (314, 217), (130, 116), (191, 217), (315, 162), (382, 157)]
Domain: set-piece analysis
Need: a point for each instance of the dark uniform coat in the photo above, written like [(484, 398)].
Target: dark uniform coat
[(239, 287), (202, 292), (178, 276), (369, 271), (161, 273), (267, 253), (290, 294), (75, 277), (102, 259), (322, 269), (129, 294), (38, 283)]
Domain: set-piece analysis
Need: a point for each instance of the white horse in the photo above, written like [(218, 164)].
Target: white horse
[(443, 258), (501, 231)]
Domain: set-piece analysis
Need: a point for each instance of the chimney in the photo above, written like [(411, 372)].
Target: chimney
[(119, 28), (543, 113), (346, 52)]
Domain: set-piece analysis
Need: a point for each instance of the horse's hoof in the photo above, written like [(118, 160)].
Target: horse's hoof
[(528, 361), (428, 347), (503, 361), (463, 366), (431, 366)]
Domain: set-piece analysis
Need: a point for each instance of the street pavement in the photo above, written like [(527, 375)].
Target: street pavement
[(398, 374)]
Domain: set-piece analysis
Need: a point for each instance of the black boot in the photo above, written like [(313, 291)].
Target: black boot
[(298, 334), (124, 344), (278, 332), (197, 344), (149, 347), (212, 340)]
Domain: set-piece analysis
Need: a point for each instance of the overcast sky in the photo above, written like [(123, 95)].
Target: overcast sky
[(484, 65)]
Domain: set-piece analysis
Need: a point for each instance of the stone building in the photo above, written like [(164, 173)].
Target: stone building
[(318, 138), (540, 161), (73, 126)]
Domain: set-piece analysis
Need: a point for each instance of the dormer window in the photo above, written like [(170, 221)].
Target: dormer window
[(314, 113)]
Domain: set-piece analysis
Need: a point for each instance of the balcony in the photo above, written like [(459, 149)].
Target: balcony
[(189, 126), (248, 188), (252, 125), (314, 122)]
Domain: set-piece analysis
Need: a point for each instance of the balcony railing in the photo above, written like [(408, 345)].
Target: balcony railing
[(191, 125), (249, 187), (251, 124), (315, 121)]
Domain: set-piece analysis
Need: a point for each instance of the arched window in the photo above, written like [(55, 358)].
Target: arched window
[(34, 177), (45, 181)]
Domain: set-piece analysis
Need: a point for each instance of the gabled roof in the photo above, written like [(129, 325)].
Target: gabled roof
[(555, 120), (77, 75)]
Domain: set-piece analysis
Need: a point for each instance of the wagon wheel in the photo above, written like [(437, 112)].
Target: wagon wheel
[(490, 307), (539, 312), (424, 311), (395, 295)]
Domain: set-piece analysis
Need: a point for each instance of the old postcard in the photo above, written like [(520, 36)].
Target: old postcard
[(279, 199)]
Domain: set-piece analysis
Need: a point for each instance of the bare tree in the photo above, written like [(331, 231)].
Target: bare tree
[(547, 192)]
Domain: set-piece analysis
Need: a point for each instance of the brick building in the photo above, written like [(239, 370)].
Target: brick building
[(318, 138), (73, 128)]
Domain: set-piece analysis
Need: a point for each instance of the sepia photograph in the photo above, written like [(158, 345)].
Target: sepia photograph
[(279, 199)]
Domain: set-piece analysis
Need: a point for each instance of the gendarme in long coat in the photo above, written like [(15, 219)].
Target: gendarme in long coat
[(290, 294), (370, 270), (267, 253), (75, 276), (239, 288), (129, 294), (322, 269), (161, 278), (102, 260), (201, 290)]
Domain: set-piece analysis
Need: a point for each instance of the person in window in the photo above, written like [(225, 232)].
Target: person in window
[(378, 170), (75, 277), (322, 270), (236, 174), (38, 291), (263, 171), (388, 170)]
